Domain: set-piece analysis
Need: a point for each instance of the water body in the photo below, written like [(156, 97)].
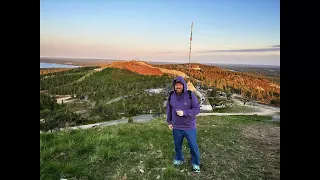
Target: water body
[(55, 65)]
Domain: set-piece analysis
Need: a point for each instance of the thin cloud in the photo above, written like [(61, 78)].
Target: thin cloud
[(165, 52), (273, 48)]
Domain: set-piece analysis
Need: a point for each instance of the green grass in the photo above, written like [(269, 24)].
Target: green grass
[(130, 106), (77, 106), (123, 150), (236, 109)]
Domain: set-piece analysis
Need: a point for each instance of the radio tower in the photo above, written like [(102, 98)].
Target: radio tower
[(190, 49)]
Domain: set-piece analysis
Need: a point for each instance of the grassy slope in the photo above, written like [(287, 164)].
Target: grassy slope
[(121, 151), (108, 84)]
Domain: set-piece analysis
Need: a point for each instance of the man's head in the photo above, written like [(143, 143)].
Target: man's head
[(178, 87)]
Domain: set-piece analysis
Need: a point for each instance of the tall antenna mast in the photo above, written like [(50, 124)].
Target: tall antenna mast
[(190, 49)]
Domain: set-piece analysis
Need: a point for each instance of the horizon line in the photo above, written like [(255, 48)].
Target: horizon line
[(174, 61)]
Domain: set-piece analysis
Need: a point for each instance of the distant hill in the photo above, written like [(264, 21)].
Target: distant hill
[(145, 68), (77, 61), (251, 85), (52, 70)]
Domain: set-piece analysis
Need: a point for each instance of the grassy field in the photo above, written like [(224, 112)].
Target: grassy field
[(231, 147)]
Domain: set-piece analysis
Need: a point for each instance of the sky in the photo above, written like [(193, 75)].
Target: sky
[(224, 31)]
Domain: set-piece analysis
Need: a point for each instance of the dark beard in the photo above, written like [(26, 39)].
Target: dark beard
[(179, 93)]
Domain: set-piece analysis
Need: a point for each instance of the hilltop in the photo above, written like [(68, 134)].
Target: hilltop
[(251, 85), (232, 147), (145, 68)]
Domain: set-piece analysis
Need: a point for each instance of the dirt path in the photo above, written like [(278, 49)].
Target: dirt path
[(264, 113), (85, 76), (140, 118), (263, 108), (119, 98)]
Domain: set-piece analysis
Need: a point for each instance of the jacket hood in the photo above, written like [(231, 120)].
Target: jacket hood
[(180, 79)]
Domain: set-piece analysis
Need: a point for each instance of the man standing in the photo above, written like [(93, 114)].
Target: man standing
[(182, 108)]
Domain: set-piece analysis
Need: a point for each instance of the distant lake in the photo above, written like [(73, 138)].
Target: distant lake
[(55, 65)]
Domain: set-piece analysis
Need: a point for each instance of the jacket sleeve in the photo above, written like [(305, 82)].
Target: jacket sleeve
[(169, 113), (195, 107)]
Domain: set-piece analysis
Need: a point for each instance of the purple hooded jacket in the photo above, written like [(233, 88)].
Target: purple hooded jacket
[(189, 106)]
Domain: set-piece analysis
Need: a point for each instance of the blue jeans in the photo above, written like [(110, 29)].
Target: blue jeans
[(191, 136)]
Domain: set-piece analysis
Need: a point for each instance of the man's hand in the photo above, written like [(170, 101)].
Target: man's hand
[(180, 113), (170, 126)]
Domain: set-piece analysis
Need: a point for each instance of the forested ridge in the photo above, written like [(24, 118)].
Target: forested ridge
[(251, 85), (93, 92)]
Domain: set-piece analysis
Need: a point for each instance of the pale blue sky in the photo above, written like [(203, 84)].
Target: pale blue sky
[(225, 31)]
